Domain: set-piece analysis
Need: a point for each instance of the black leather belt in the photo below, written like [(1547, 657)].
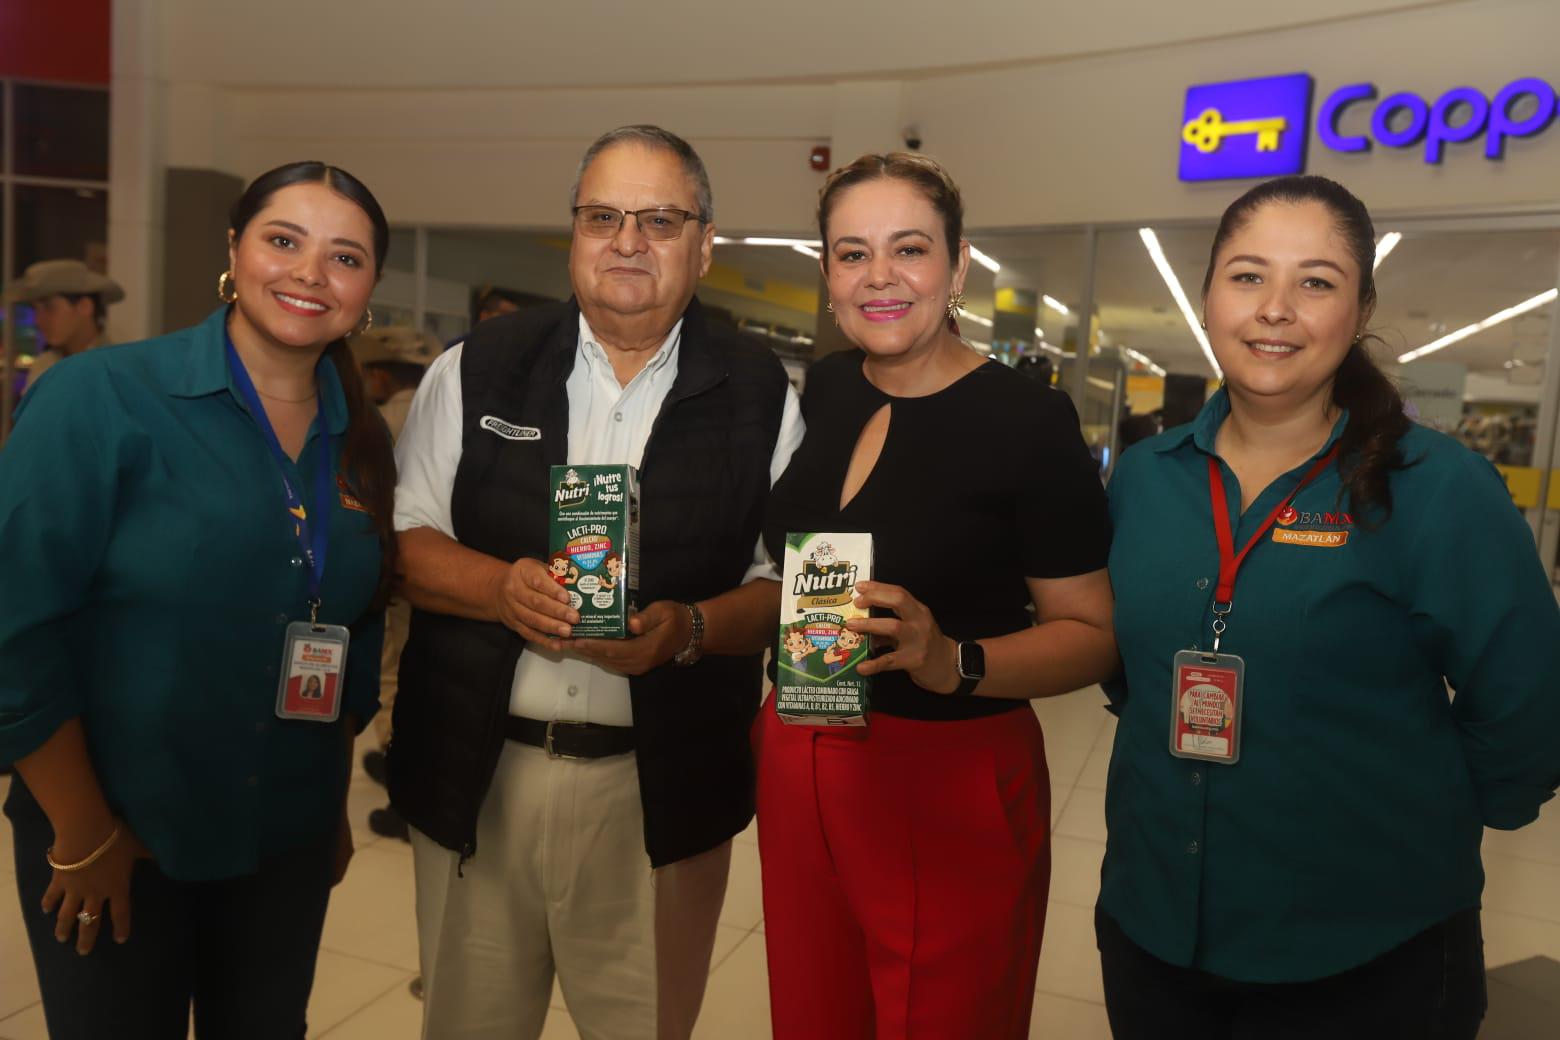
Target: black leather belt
[(571, 739)]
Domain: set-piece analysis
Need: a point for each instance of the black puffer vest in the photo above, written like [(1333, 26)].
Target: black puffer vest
[(703, 485)]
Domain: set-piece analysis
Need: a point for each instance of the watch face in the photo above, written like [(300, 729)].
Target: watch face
[(972, 660)]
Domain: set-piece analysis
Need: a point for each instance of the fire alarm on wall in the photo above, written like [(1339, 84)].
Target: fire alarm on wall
[(819, 159)]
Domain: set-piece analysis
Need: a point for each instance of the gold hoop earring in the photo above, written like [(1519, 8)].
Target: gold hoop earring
[(368, 321), (955, 303), (226, 291)]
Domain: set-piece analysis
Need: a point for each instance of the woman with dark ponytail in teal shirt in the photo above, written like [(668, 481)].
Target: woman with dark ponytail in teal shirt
[(190, 528), (1295, 799)]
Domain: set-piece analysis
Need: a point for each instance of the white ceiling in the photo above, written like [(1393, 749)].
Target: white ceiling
[(500, 43)]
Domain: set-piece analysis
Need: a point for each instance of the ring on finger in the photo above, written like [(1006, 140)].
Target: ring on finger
[(87, 918)]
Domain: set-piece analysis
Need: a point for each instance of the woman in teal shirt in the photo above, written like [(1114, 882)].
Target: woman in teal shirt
[(173, 513), (1294, 835)]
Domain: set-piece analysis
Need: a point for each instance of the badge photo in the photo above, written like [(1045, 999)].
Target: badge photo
[(314, 661)]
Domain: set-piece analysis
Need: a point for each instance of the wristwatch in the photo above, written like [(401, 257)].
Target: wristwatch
[(694, 650), (972, 667)]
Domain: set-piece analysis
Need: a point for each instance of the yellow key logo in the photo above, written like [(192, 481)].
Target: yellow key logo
[(1208, 131)]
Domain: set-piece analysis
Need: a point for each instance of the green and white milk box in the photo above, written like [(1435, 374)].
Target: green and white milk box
[(816, 659), (593, 545)]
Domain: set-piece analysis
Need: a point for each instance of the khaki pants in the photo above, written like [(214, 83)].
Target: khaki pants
[(398, 622), (561, 884)]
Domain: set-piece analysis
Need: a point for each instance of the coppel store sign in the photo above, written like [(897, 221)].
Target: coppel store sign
[(1260, 127)]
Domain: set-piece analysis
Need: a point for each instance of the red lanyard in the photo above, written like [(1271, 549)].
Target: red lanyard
[(1229, 561)]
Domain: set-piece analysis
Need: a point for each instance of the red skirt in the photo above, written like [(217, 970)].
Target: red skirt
[(905, 875)]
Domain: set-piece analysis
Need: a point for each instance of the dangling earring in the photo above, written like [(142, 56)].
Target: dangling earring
[(368, 321), (830, 308), (227, 292), (955, 303)]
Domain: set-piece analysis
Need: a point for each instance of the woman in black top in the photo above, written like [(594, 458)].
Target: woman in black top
[(906, 865)]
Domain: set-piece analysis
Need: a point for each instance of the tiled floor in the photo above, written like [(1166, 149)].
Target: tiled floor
[(370, 947)]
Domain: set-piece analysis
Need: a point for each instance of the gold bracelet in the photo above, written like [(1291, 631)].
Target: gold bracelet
[(84, 864)]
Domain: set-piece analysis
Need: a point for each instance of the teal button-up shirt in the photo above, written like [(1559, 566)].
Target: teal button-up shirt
[(150, 571), (1353, 819)]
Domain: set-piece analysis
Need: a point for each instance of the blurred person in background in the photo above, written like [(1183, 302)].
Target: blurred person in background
[(70, 306), (491, 302)]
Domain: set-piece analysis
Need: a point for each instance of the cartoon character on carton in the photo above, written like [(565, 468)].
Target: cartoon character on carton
[(844, 646), (798, 645), (614, 567), (823, 557), (562, 569)]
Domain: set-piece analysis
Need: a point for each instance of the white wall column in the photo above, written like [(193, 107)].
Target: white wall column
[(136, 164)]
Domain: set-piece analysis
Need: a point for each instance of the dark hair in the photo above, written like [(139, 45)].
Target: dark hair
[(489, 295), (1369, 449), (99, 309), (650, 136), (366, 458), (925, 174)]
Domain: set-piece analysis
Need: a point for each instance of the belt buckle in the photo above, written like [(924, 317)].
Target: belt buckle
[(547, 744)]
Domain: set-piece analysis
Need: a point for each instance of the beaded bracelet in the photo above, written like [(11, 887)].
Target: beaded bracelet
[(84, 864)]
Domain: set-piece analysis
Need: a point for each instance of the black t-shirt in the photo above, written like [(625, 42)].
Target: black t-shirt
[(978, 486)]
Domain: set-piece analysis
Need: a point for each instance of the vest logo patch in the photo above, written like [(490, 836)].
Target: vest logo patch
[(509, 431)]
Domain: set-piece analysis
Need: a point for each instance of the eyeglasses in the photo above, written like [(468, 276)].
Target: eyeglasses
[(659, 223)]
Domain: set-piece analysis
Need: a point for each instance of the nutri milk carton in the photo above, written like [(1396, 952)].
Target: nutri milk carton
[(815, 661), (593, 544)]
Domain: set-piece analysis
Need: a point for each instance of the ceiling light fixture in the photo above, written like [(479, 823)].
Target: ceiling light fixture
[(1463, 333), (1388, 243), (1144, 360), (808, 251), (977, 319), (1056, 305), (811, 243), (985, 261), (1157, 254)]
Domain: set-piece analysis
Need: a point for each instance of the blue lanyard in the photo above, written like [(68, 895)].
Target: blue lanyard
[(312, 538)]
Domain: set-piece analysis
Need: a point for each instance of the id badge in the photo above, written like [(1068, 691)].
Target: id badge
[(314, 660), (1207, 701)]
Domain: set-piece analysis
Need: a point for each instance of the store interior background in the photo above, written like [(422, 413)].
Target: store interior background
[(127, 129)]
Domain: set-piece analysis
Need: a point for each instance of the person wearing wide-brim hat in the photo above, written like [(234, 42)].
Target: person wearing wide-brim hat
[(70, 304), (393, 360)]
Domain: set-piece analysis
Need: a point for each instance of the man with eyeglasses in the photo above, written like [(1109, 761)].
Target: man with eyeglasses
[(573, 801)]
